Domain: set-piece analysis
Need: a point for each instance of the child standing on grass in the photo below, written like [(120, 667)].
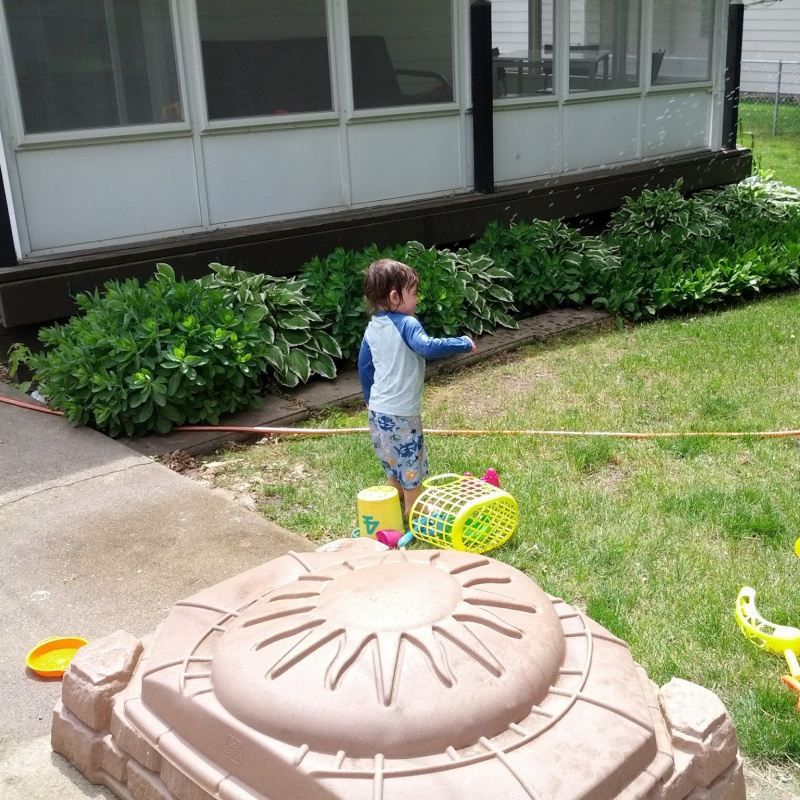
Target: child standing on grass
[(391, 366)]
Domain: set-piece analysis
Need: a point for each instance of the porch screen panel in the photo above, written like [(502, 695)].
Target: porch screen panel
[(682, 41), (93, 63), (604, 44), (522, 47), (401, 52), (264, 57)]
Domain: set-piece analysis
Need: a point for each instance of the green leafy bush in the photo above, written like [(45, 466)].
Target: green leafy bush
[(334, 286), (458, 291), (144, 358), (679, 254), (296, 347), (662, 223), (552, 265), (756, 210)]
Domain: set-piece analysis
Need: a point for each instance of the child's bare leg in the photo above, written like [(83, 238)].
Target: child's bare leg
[(409, 498), (395, 484), (409, 495), (403, 493)]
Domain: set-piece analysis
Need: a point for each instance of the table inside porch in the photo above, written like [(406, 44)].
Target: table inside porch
[(585, 63)]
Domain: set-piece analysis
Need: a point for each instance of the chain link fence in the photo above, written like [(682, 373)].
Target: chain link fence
[(769, 98)]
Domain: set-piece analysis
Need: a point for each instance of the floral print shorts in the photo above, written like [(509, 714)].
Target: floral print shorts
[(400, 447)]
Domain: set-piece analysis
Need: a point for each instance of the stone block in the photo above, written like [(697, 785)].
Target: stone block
[(182, 788), (728, 786), (680, 783), (130, 740), (113, 759), (144, 785), (117, 787), (701, 726), (77, 742), (99, 670), (691, 709)]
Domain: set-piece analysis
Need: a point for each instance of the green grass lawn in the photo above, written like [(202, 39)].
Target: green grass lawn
[(653, 538), (779, 154)]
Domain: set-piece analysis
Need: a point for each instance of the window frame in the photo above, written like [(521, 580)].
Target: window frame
[(20, 140)]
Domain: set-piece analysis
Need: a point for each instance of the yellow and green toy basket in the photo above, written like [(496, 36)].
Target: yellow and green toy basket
[(459, 512)]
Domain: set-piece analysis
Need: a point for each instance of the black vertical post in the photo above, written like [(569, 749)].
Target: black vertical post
[(8, 255), (733, 75), (480, 17)]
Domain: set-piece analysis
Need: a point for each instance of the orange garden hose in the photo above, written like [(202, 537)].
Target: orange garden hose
[(273, 431), (480, 432), (33, 406)]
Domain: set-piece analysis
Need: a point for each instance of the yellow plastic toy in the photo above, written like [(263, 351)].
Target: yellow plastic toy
[(378, 509), (458, 512), (51, 657), (781, 639)]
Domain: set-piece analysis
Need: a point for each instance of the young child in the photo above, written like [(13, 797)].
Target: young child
[(391, 366)]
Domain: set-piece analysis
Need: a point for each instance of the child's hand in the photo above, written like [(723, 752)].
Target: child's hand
[(474, 346)]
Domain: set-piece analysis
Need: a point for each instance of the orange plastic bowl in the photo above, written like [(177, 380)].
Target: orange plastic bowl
[(51, 657)]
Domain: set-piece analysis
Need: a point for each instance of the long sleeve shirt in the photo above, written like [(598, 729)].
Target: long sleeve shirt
[(391, 363)]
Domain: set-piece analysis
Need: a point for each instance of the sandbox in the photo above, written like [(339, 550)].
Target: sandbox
[(360, 672)]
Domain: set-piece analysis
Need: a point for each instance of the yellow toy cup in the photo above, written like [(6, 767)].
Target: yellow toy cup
[(379, 509)]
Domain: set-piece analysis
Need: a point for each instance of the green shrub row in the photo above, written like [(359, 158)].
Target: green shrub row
[(146, 357), (679, 254)]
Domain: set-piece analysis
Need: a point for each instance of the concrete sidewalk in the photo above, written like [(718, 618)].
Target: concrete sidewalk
[(95, 538)]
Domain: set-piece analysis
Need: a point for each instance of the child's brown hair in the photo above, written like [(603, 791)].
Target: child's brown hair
[(384, 276)]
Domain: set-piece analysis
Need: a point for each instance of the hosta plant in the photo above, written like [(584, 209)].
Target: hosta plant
[(551, 264), (661, 223), (460, 292), (296, 347), (334, 286)]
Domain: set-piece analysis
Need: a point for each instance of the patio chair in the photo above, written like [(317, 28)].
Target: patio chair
[(655, 65), (375, 79)]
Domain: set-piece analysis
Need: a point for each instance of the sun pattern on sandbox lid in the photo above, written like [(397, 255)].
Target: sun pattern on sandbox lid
[(413, 605), (413, 624)]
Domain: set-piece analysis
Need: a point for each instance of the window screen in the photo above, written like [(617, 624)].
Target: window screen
[(682, 38), (93, 63), (401, 52), (603, 44), (264, 57), (522, 42)]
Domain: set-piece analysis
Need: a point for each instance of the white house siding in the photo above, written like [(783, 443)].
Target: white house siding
[(510, 24), (771, 34)]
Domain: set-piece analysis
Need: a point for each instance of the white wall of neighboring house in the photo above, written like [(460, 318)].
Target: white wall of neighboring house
[(771, 34)]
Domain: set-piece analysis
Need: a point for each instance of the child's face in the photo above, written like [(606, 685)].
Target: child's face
[(405, 303)]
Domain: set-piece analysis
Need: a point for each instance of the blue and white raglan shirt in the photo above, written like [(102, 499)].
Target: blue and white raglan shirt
[(391, 363)]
